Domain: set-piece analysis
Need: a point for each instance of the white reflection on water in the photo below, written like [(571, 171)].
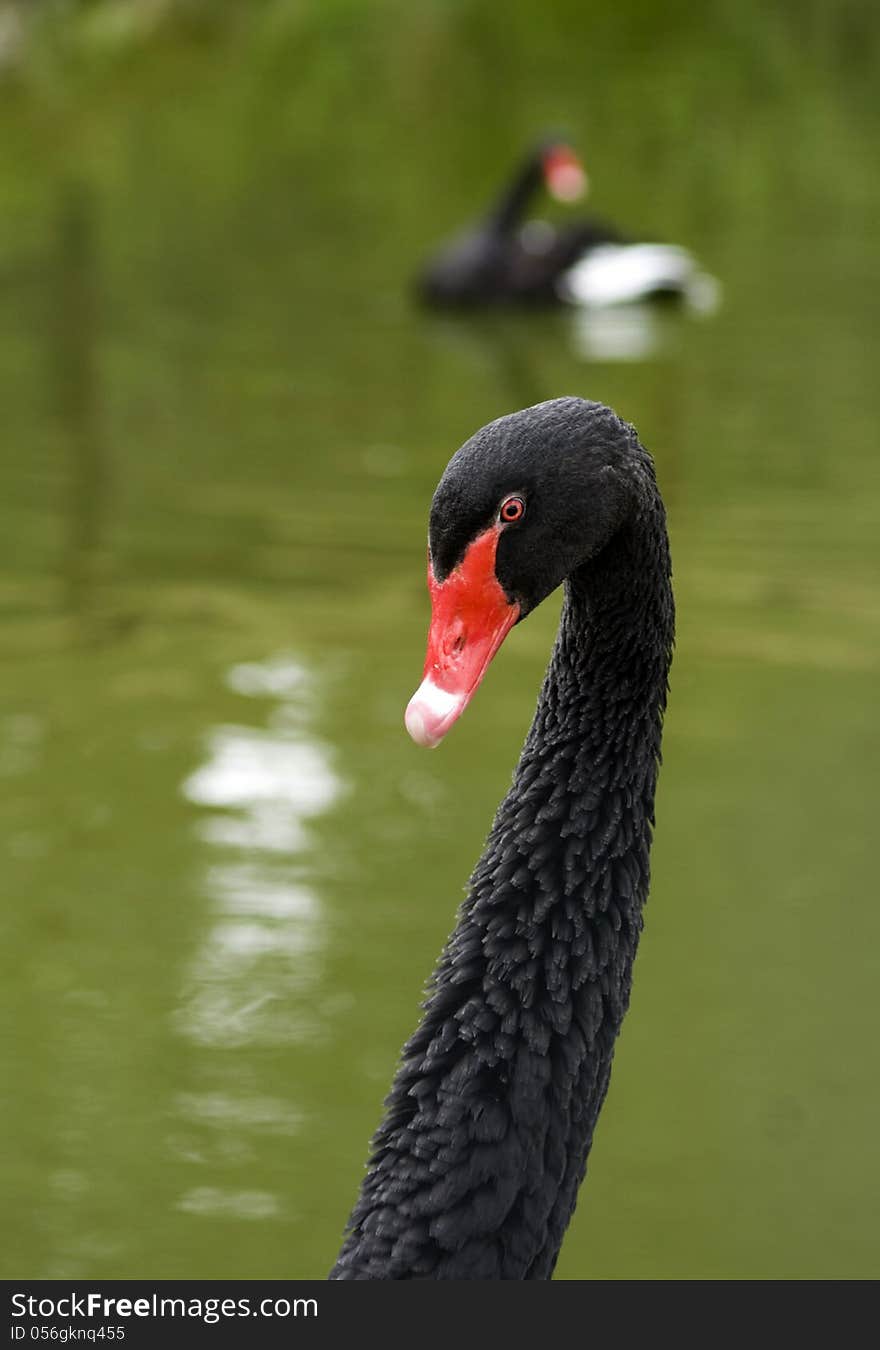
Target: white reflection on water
[(210, 1200), (261, 788), (280, 677), (253, 979), (242, 889), (622, 333), (255, 1113), (274, 781)]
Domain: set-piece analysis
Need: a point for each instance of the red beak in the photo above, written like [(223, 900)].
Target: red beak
[(565, 176), (470, 618)]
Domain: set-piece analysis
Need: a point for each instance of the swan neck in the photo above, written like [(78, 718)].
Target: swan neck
[(610, 662), (508, 211)]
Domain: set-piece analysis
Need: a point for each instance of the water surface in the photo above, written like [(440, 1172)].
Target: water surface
[(227, 871)]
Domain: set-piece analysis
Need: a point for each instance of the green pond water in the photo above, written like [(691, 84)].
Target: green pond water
[(226, 870)]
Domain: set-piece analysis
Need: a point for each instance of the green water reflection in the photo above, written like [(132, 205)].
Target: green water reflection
[(227, 872)]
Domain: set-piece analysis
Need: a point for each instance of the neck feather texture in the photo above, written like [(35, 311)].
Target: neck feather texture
[(476, 1166), (508, 211)]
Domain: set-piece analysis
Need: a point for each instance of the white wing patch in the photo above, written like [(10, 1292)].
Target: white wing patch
[(616, 274)]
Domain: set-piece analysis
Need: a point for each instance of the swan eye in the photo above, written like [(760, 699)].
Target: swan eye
[(514, 508)]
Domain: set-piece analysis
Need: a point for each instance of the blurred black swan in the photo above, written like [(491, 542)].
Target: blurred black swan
[(507, 257), (475, 1168)]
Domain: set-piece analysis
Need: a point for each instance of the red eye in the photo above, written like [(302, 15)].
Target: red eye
[(512, 509)]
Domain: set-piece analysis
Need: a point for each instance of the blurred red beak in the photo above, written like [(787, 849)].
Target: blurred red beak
[(470, 618), (564, 174)]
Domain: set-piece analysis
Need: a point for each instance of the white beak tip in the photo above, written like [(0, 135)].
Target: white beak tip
[(431, 712), (415, 725)]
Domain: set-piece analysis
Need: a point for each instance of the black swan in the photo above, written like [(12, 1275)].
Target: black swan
[(475, 1168), (506, 258)]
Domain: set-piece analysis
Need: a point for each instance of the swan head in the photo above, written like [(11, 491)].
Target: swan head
[(525, 502)]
